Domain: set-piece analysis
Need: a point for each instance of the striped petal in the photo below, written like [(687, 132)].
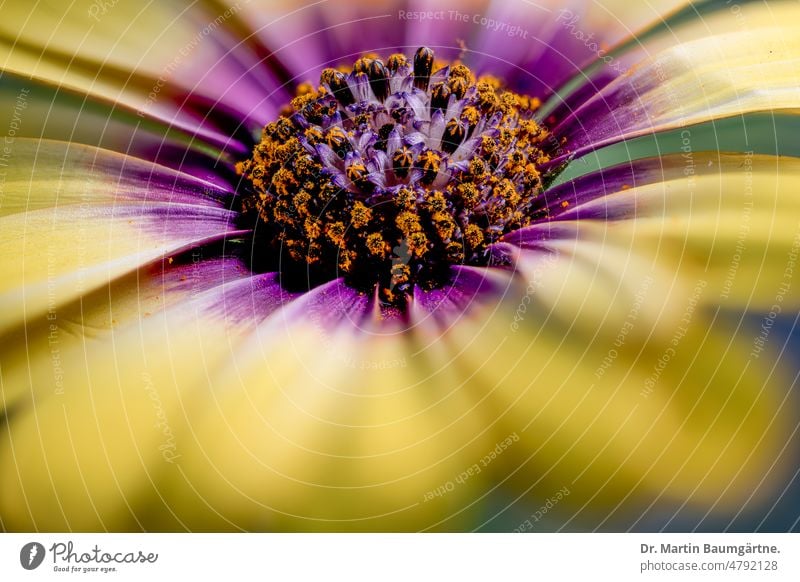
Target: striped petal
[(176, 63), (43, 111), (532, 46), (726, 74), (730, 220), (98, 418), (75, 217), (200, 418), (631, 425)]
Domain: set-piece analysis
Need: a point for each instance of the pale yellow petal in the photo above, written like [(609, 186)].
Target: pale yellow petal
[(732, 221), (624, 424), (724, 74), (74, 217)]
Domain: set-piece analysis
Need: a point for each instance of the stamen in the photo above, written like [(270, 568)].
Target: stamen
[(337, 83), (401, 162), (379, 79), (439, 96), (429, 162), (453, 135), (423, 65), (396, 61)]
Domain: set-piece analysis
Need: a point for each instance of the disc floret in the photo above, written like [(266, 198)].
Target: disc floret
[(391, 172)]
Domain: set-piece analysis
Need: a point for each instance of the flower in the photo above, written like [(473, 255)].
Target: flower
[(421, 298)]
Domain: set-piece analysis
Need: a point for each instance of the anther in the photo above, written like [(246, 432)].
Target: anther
[(440, 93), (337, 83), (396, 61), (401, 162), (378, 79), (453, 135), (429, 162), (423, 65), (336, 139)]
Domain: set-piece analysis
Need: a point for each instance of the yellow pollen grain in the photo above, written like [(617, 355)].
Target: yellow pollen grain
[(314, 253), (488, 145), (283, 181), (402, 157), (477, 168), (347, 260), (473, 235), (418, 244), (408, 223), (468, 193), (406, 198), (429, 161), (470, 115), (360, 215), (490, 80), (304, 89), (396, 61), (445, 226), (335, 232), (462, 72), (336, 137), (458, 85), (312, 228), (299, 102), (313, 135), (436, 201), (487, 98), (455, 251), (356, 172), (301, 200), (376, 245)]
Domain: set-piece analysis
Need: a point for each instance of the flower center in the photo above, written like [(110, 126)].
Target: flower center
[(389, 173)]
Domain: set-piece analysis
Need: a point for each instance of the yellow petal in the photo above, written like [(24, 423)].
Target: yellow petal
[(726, 74), (74, 217), (188, 420), (731, 220), (147, 58), (624, 424)]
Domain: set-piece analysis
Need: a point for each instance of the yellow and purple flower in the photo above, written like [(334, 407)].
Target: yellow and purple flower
[(374, 266)]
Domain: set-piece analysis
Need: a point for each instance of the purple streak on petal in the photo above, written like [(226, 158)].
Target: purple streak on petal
[(248, 299), (220, 170), (225, 81), (59, 113), (233, 128), (195, 272), (318, 36), (534, 50), (190, 115), (327, 306), (213, 172), (134, 179), (567, 197), (107, 176), (589, 88), (163, 223), (596, 196), (604, 119), (468, 286), (535, 237)]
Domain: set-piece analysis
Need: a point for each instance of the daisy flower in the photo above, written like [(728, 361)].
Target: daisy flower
[(394, 265)]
